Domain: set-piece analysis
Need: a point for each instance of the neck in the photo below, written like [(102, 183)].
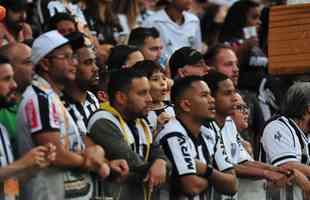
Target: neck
[(175, 14), (76, 93), (191, 124), (157, 105), (57, 87), (220, 120)]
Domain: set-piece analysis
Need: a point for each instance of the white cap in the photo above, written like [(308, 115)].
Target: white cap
[(45, 44)]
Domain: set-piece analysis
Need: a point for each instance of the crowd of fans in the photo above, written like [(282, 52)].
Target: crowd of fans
[(147, 99)]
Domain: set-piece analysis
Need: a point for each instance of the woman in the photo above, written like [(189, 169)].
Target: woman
[(241, 117), (102, 23), (240, 30)]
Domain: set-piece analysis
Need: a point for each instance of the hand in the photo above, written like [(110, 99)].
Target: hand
[(163, 118), (278, 179), (156, 174), (37, 157), (302, 181), (94, 160), (121, 168)]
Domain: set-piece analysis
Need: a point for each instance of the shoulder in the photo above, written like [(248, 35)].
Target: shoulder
[(190, 17), (100, 115), (172, 128), (158, 16)]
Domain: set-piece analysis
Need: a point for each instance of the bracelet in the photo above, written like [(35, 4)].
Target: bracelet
[(208, 172)]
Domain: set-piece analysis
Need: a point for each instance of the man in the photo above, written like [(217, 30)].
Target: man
[(187, 61), (223, 91), (187, 148), (124, 134), (42, 119), (80, 102), (148, 41), (14, 28), (223, 59), (285, 139), (19, 56), (177, 27), (38, 157)]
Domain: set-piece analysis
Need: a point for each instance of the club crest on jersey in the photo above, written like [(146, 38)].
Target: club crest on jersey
[(278, 136)]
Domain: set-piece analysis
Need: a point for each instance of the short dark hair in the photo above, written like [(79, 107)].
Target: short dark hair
[(121, 81), (138, 35), (213, 78), (180, 86), (149, 67), (211, 54), (58, 17), (118, 56)]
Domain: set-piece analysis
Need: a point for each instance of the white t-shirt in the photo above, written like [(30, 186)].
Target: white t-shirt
[(281, 144), (176, 36)]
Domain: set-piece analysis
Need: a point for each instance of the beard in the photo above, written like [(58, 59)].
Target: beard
[(4, 103)]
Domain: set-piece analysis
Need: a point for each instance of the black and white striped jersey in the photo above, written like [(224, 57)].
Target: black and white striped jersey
[(283, 141), (81, 112), (183, 150)]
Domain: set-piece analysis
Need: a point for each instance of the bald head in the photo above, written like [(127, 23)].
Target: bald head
[(19, 56)]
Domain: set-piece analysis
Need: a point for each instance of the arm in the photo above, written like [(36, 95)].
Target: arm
[(224, 182), (184, 165), (64, 158), (38, 157), (305, 169), (193, 184)]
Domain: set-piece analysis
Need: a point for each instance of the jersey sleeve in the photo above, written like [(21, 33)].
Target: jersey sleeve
[(41, 114), (278, 144), (179, 153)]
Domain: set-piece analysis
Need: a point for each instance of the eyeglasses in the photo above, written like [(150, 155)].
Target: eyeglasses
[(67, 56), (244, 109)]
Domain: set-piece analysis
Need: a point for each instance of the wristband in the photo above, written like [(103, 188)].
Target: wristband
[(208, 172)]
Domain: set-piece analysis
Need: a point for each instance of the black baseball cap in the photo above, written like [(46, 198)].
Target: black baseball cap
[(182, 57)]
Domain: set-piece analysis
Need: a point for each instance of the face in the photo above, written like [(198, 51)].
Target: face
[(198, 69), (152, 48), (7, 86), (183, 4), (225, 98), (133, 58), (23, 68), (202, 104), (139, 98), (159, 86), (62, 65), (65, 27), (253, 18), (87, 70), (241, 114), (227, 63)]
